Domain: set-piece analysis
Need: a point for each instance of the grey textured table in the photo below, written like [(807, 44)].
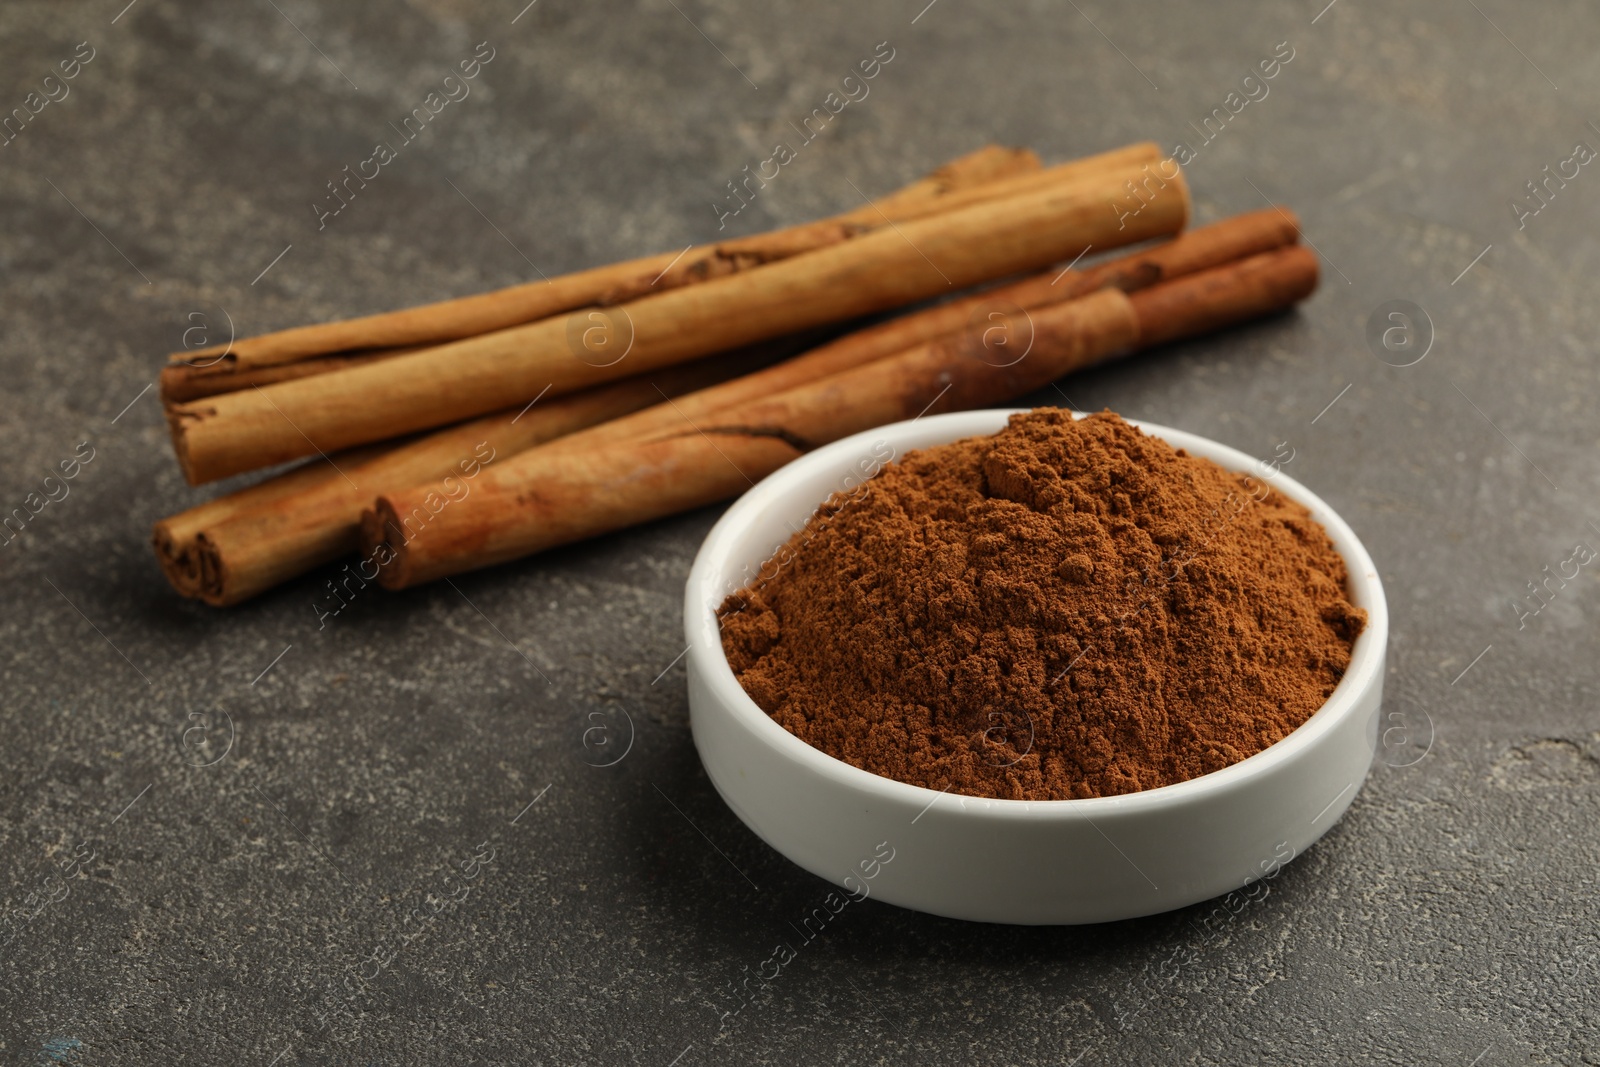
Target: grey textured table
[(260, 909)]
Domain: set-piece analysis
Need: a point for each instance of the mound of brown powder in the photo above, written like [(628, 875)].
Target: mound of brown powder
[(1064, 609)]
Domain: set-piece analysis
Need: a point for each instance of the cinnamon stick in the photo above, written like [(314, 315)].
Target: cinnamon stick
[(182, 382), (1134, 161), (1207, 246), (1212, 299), (544, 499), (449, 320), (889, 267), (914, 204), (230, 549), (987, 174)]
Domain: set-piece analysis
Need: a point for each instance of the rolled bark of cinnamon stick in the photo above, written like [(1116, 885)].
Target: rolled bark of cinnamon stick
[(1212, 299), (183, 382), (544, 499), (1199, 249), (237, 546), (1133, 161), (988, 174), (448, 320), (886, 268), (933, 197)]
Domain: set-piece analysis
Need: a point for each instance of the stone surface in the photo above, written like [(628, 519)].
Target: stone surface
[(262, 909)]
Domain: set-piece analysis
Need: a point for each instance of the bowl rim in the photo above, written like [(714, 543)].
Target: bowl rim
[(1365, 668)]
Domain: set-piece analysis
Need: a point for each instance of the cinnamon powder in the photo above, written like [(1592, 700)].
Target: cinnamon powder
[(1068, 608)]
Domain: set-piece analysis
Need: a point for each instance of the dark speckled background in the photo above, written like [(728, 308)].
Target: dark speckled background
[(156, 911)]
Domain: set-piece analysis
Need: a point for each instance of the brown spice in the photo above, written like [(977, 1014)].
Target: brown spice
[(1068, 608)]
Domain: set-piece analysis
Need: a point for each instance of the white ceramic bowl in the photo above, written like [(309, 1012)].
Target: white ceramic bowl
[(1013, 861)]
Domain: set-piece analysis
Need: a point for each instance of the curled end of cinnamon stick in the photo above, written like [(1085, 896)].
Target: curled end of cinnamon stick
[(192, 565), (175, 383), (179, 419), (213, 587), (179, 559)]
